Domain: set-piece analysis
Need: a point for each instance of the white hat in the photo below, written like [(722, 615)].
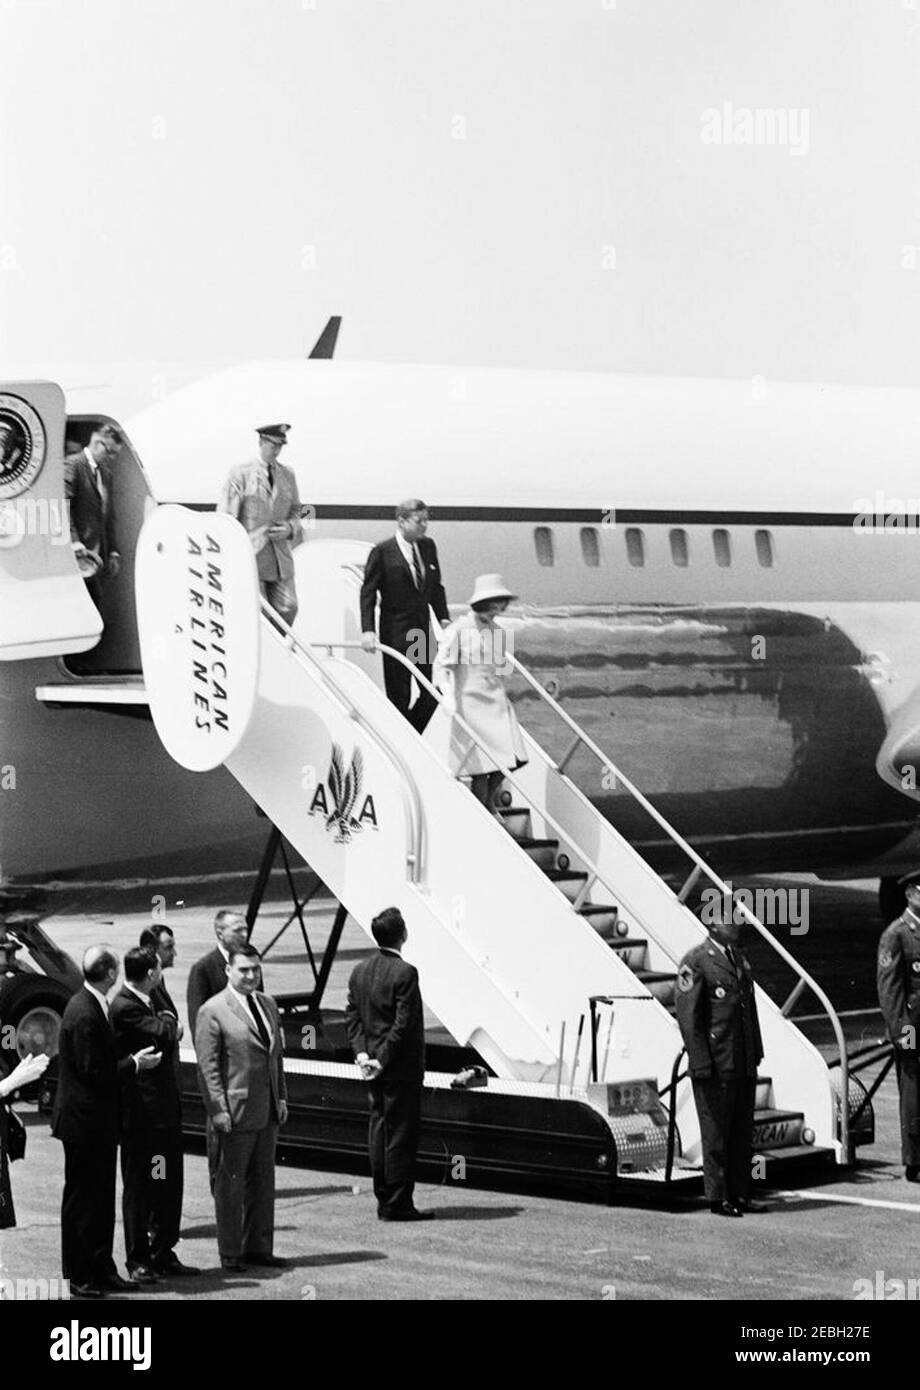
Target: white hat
[(489, 586)]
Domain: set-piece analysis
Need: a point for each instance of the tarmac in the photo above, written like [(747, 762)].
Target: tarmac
[(829, 1238)]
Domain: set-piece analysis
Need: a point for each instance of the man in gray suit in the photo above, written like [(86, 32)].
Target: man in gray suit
[(241, 1075), (262, 495)]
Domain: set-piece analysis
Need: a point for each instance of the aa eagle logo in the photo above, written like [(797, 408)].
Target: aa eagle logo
[(339, 804)]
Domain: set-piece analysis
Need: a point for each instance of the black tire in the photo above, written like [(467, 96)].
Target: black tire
[(892, 899), (37, 1003)]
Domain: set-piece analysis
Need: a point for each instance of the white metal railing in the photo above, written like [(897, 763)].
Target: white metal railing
[(412, 802), (700, 867), (594, 874)]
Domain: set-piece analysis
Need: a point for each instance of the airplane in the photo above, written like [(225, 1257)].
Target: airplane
[(711, 583)]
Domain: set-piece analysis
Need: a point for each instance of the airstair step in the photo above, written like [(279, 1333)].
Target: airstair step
[(569, 881), (516, 820), (604, 918), (659, 983), (764, 1092), (798, 1153), (631, 950), (542, 852), (777, 1129)]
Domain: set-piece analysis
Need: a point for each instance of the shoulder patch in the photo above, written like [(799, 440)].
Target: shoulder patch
[(885, 958), (685, 978)]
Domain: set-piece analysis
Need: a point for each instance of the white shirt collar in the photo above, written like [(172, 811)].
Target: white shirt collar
[(90, 460), (101, 997), (144, 998), (244, 1000), (406, 548), (391, 951)]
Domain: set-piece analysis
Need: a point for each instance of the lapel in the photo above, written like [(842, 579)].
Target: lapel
[(244, 1013), (721, 961), (401, 560)]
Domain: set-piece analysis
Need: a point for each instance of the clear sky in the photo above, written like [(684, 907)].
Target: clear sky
[(519, 183)]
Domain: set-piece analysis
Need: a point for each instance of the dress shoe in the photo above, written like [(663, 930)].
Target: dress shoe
[(115, 1284), (912, 1172), (750, 1208), (175, 1269), (413, 1214), (264, 1261), (86, 1291), (233, 1266), (142, 1274), (725, 1209)]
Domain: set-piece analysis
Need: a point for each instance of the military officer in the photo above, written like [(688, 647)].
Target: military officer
[(899, 1000), (717, 1014), (263, 496)]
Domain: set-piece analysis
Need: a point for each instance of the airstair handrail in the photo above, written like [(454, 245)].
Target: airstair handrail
[(595, 874), (412, 802), (701, 867)]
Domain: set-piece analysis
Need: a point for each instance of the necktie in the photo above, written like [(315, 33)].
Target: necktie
[(416, 567), (263, 1031), (732, 959), (271, 477)]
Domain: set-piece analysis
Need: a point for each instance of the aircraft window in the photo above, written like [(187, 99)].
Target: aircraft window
[(635, 546), (590, 546), (680, 550), (763, 540), (722, 545), (543, 539)]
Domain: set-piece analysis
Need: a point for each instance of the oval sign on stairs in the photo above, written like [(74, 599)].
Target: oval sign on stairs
[(198, 620)]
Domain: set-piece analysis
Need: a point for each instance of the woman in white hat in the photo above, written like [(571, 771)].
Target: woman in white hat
[(472, 670)]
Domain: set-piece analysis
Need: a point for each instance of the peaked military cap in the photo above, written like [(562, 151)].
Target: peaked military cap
[(278, 433)]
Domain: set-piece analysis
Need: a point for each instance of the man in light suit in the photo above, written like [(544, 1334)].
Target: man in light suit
[(404, 572), (88, 491), (262, 495), (240, 1066), (384, 1024)]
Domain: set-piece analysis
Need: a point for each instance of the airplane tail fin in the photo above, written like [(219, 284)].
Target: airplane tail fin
[(325, 343)]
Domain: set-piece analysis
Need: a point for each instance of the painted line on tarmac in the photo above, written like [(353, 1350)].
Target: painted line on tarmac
[(852, 1201)]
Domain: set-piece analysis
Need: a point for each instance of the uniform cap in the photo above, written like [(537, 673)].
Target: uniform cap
[(278, 433)]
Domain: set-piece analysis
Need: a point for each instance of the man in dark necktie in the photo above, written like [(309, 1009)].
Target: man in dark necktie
[(151, 1122), (717, 1013), (241, 1073), (86, 1118), (88, 491), (404, 574), (262, 494)]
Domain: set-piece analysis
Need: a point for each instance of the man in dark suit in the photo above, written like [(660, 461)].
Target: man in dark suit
[(88, 490), (405, 574), (163, 940), (717, 1013), (241, 1072), (384, 1024), (85, 1119), (208, 976), (151, 1124), (898, 980)]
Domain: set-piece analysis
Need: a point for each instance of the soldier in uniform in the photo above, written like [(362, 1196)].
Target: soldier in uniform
[(899, 1000), (717, 1014), (263, 496)]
